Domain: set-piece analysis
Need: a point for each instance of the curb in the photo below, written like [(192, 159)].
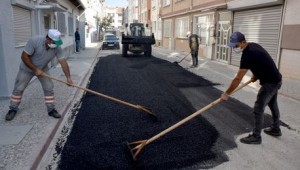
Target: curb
[(74, 94)]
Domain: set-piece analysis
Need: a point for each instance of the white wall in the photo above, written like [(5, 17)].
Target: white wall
[(290, 59), (292, 13), (10, 56), (290, 63)]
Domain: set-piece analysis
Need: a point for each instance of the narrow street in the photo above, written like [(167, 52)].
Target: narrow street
[(143, 84), (100, 128)]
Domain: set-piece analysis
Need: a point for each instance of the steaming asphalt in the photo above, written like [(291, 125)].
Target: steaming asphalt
[(102, 127)]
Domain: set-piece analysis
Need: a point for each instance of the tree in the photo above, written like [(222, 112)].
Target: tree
[(105, 23)]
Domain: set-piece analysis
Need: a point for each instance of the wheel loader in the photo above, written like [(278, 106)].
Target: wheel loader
[(137, 40)]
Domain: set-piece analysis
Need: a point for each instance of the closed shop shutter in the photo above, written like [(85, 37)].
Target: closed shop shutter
[(261, 26), (22, 25)]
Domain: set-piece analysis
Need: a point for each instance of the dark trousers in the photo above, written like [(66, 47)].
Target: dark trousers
[(267, 95), (194, 54), (77, 45)]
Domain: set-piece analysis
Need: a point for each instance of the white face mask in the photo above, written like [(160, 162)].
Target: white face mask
[(52, 45), (238, 50)]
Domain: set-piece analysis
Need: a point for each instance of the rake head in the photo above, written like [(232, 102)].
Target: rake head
[(136, 147), (147, 110)]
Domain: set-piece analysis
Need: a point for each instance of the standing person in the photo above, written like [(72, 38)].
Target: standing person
[(38, 52), (194, 42), (259, 61), (77, 40)]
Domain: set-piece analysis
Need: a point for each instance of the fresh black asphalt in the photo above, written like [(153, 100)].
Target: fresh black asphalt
[(103, 127)]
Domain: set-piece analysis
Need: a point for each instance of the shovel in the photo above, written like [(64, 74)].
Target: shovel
[(137, 146), (139, 107)]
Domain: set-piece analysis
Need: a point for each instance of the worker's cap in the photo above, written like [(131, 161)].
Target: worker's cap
[(188, 33), (235, 38), (55, 36)]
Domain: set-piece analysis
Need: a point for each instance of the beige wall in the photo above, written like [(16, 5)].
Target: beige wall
[(166, 42), (166, 9), (290, 48), (206, 3), (181, 6), (290, 64), (292, 12), (182, 44)]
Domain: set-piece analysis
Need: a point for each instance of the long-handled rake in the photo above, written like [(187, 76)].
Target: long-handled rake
[(177, 62), (137, 146), (139, 107)]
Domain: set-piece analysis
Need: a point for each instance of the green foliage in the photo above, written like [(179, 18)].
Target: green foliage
[(105, 23)]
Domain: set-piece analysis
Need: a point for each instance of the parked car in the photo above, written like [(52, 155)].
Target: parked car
[(110, 41)]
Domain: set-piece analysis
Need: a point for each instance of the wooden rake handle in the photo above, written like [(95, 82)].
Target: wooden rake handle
[(184, 57), (139, 145), (105, 96)]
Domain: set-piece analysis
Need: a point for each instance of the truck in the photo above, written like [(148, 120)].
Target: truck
[(137, 40)]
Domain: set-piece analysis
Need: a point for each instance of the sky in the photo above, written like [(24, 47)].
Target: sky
[(117, 3)]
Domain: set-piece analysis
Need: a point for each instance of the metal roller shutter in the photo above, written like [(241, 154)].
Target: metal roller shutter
[(22, 25), (261, 26)]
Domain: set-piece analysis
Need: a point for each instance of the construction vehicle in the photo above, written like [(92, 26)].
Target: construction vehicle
[(137, 39)]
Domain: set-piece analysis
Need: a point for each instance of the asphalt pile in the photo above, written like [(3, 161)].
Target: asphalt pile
[(103, 127)]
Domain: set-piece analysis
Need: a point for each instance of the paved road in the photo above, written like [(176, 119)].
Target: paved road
[(101, 127)]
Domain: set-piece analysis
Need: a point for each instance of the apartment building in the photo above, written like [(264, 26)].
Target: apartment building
[(145, 12), (91, 18), (22, 19), (116, 13), (272, 23), (156, 21), (133, 11), (199, 17)]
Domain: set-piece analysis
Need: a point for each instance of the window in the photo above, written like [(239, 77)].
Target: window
[(149, 14), (70, 26), (166, 2), (46, 22), (182, 27), (110, 37), (61, 20), (167, 28), (203, 25), (22, 25)]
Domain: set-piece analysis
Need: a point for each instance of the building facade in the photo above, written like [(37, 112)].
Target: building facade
[(156, 21), (29, 18), (199, 17), (272, 23), (133, 11)]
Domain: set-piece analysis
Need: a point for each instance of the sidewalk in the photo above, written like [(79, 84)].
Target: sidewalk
[(273, 153), (289, 95), (25, 138)]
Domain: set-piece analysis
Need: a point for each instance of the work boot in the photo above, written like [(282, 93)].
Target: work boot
[(273, 131), (54, 114), (10, 115), (251, 139)]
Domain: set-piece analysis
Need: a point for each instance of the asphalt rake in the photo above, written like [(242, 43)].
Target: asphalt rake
[(138, 107), (137, 146)]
